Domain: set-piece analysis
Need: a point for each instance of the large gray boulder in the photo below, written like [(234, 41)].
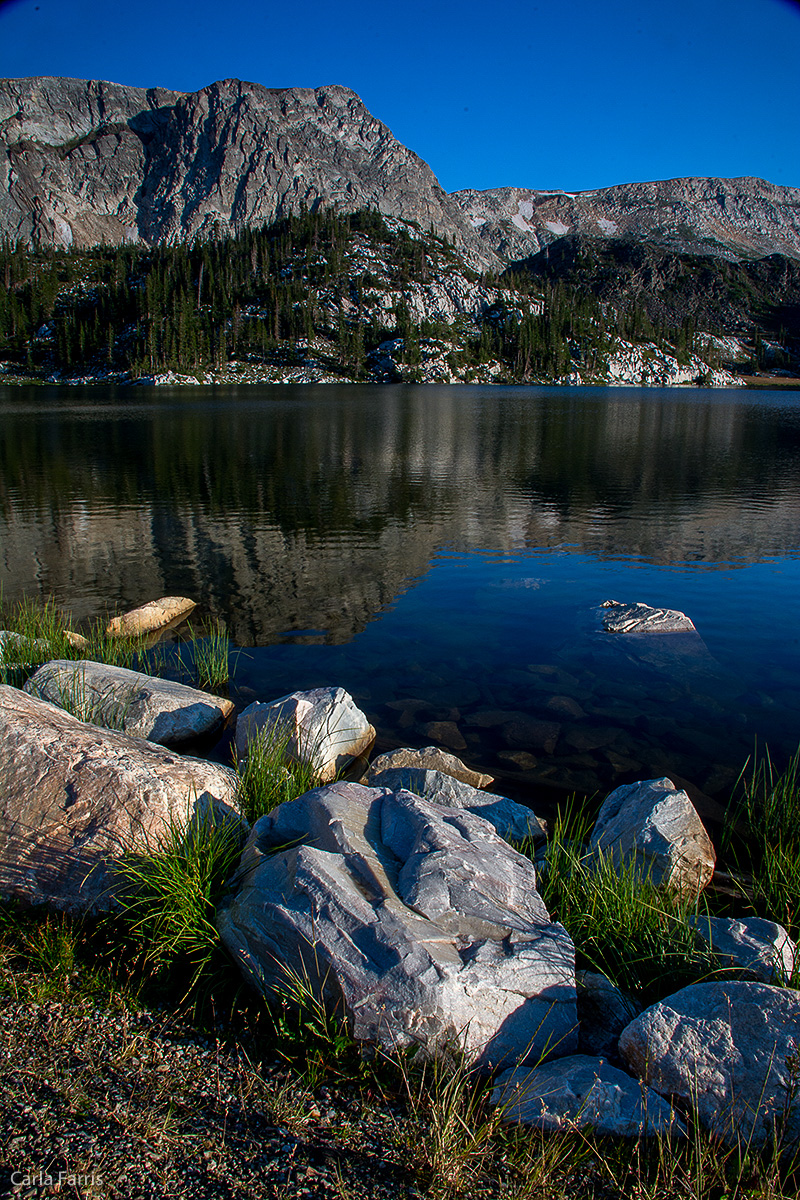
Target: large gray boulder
[(513, 821), (140, 705), (728, 1049), (653, 827), (762, 948), (583, 1092), (73, 797), (322, 726), (416, 922), (429, 758)]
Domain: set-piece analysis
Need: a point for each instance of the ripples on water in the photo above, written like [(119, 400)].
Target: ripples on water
[(440, 552)]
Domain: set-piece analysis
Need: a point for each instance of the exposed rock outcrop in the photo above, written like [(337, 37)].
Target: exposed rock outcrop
[(83, 162)]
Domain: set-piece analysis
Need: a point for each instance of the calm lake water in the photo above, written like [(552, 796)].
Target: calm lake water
[(441, 552)]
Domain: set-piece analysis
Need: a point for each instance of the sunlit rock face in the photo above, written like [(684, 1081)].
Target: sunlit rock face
[(84, 161)]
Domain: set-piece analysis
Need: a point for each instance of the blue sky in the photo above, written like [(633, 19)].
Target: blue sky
[(566, 94)]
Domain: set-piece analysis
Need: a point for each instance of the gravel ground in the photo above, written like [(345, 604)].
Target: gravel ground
[(109, 1103)]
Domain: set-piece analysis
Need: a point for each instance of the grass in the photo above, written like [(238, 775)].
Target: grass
[(622, 925), (211, 656), (762, 836), (168, 897), (268, 775)]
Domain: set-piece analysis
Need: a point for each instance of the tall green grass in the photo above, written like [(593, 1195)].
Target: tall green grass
[(762, 837), (622, 925), (268, 775)]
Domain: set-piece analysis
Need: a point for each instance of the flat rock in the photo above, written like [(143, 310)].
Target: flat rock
[(729, 1050), (762, 948), (322, 726), (153, 615), (415, 921), (603, 1013), (142, 706), (653, 826), (74, 796), (430, 758), (512, 821), (445, 732), (583, 1092), (529, 733), (642, 618)]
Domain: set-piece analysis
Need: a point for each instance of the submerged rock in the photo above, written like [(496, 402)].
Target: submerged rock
[(140, 705), (731, 1051), (416, 922), (582, 1092), (653, 826), (323, 727), (153, 615), (74, 797)]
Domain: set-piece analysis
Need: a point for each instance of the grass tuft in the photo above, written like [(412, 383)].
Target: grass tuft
[(168, 897), (211, 654), (268, 775)]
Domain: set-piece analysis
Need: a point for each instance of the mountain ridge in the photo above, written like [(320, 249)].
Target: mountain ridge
[(84, 162)]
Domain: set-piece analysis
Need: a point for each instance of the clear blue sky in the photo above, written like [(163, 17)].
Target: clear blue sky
[(543, 94)]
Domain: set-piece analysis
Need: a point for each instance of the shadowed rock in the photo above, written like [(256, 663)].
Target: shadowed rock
[(415, 921), (579, 1092), (763, 948), (728, 1049)]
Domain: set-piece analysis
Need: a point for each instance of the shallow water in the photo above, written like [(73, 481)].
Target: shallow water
[(441, 552)]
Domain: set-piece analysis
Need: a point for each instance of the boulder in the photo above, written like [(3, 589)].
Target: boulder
[(654, 827), (16, 649), (153, 615), (322, 726), (430, 758), (415, 921), (762, 948), (583, 1092), (140, 705), (603, 1013), (641, 618), (728, 1049), (75, 796), (512, 821)]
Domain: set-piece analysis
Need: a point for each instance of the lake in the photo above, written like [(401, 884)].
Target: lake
[(441, 552)]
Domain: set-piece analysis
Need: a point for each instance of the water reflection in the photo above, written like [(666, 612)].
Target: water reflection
[(322, 515)]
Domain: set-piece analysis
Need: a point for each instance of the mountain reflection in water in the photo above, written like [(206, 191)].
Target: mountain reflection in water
[(440, 552)]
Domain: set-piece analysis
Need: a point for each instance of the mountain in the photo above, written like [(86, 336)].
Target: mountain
[(725, 218), (88, 162)]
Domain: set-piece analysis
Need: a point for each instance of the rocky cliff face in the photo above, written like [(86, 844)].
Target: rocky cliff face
[(728, 218), (83, 162)]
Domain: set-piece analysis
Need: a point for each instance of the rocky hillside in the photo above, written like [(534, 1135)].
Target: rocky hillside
[(87, 162), (725, 218)]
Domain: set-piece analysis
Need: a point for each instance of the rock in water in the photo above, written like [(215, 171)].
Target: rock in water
[(641, 618), (153, 615), (74, 796), (142, 706), (581, 1092), (653, 826), (731, 1051), (416, 922), (323, 726)]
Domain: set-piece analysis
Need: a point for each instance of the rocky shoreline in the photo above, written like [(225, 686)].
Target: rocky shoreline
[(396, 895)]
